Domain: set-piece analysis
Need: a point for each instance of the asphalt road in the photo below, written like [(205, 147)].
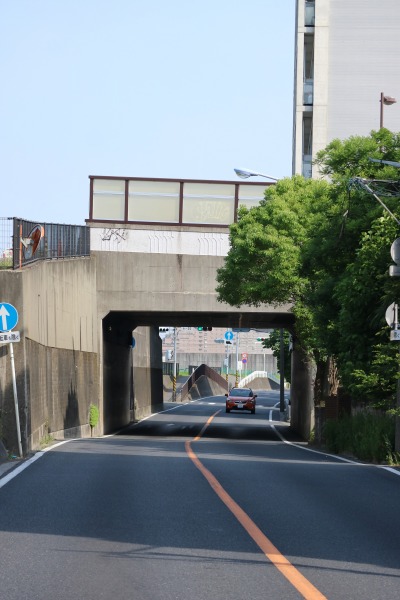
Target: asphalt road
[(194, 503)]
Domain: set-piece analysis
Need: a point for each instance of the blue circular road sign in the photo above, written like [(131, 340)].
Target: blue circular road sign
[(8, 316), (228, 335)]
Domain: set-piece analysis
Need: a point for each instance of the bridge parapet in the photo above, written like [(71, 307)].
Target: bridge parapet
[(170, 201)]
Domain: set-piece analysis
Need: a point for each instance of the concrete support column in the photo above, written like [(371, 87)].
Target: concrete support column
[(301, 393), (147, 371)]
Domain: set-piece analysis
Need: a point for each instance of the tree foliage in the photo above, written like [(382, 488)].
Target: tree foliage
[(266, 258), (273, 341), (323, 247)]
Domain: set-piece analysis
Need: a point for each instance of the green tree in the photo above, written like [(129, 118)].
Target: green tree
[(368, 360), (273, 341), (268, 259), (361, 288), (323, 247)]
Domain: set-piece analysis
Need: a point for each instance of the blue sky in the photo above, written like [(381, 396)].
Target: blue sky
[(152, 88)]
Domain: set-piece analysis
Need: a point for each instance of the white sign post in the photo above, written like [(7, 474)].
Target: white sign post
[(8, 320), (14, 382)]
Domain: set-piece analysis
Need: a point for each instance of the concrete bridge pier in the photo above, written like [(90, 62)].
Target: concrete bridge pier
[(132, 374), (301, 393), (147, 372)]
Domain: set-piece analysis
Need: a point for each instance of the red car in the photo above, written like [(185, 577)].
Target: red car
[(241, 399)]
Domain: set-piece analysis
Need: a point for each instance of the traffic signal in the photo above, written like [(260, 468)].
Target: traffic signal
[(162, 329), (204, 329), (262, 339)]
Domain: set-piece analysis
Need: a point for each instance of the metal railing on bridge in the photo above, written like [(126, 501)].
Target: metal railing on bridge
[(23, 242)]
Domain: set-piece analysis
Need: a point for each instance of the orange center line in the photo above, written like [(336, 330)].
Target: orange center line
[(196, 439), (302, 585)]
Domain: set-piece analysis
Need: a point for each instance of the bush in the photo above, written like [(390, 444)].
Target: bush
[(94, 416), (366, 436)]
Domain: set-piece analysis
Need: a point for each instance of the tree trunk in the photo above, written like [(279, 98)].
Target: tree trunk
[(326, 382)]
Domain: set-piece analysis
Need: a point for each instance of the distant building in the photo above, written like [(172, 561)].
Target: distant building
[(347, 52), (194, 347)]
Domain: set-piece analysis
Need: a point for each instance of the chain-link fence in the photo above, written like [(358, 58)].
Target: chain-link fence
[(6, 243), (23, 242)]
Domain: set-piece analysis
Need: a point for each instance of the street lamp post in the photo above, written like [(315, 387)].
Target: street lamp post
[(244, 174), (388, 101), (282, 375)]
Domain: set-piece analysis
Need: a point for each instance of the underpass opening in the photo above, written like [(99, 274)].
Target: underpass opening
[(132, 356)]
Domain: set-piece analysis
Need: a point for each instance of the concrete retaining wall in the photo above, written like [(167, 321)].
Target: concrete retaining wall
[(56, 362)]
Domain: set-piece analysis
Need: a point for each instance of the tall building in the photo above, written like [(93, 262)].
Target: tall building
[(347, 62)]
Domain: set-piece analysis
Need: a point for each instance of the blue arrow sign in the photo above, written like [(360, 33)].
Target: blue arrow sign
[(228, 335), (8, 316)]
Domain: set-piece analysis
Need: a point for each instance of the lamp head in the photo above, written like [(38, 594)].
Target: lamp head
[(242, 173), (246, 173), (388, 100)]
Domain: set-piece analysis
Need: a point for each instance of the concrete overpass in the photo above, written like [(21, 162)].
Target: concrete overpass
[(77, 316)]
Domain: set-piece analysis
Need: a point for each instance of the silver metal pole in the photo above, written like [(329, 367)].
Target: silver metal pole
[(174, 379), (237, 360), (397, 418), (14, 382), (282, 376)]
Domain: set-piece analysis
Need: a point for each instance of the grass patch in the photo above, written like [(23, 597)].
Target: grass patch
[(46, 440), (6, 263), (366, 436)]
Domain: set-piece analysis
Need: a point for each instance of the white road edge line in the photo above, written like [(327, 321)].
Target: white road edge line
[(347, 460), (27, 463)]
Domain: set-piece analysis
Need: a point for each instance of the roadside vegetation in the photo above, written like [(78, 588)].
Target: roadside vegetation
[(366, 436), (323, 246), (94, 416)]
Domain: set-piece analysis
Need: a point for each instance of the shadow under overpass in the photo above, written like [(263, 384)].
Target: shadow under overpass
[(132, 380)]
